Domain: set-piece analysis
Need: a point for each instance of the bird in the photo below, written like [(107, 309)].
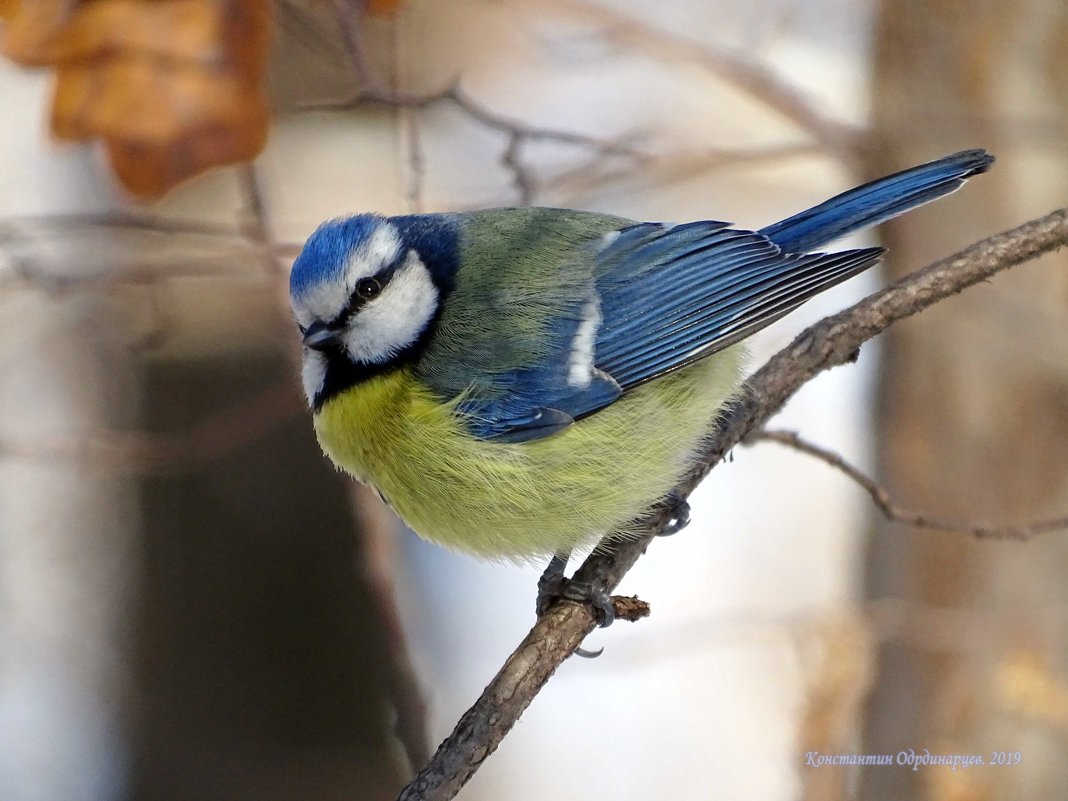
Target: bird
[(520, 382)]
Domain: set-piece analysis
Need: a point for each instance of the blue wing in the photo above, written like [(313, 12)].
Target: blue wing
[(671, 296), (877, 201), (667, 296), (661, 298)]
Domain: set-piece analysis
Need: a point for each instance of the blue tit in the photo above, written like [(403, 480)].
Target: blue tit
[(519, 382)]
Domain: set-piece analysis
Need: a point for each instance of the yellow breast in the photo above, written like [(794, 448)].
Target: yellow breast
[(523, 500)]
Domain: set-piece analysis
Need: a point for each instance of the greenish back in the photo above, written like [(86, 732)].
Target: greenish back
[(520, 270)]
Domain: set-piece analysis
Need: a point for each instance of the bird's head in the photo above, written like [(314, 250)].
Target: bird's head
[(363, 298)]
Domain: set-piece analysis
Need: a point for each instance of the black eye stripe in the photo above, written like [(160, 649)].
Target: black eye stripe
[(381, 278)]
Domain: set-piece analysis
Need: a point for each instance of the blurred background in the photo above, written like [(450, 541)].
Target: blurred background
[(195, 605)]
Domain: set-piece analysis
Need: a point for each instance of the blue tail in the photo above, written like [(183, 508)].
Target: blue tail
[(876, 202)]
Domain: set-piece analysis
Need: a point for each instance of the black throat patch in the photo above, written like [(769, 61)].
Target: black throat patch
[(342, 373)]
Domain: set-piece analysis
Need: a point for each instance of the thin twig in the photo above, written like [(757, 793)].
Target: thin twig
[(892, 511), (517, 132), (828, 343), (30, 271), (416, 161), (373, 90), (257, 229), (64, 223), (569, 187), (739, 69), (19, 237), (458, 96), (762, 84), (206, 440), (350, 15), (512, 158)]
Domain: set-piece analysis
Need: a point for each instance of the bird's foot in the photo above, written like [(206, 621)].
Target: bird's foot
[(582, 592), (553, 586), (679, 509)]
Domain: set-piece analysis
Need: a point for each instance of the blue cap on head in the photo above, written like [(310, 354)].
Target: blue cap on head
[(324, 254)]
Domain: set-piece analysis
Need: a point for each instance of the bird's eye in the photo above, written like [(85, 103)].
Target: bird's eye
[(368, 288)]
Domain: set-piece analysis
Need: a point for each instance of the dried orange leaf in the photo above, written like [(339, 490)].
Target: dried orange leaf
[(30, 27), (8, 9), (383, 7), (173, 87), (151, 171)]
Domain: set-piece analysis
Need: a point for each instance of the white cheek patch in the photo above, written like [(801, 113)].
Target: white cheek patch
[(396, 318), (580, 364), (313, 373)]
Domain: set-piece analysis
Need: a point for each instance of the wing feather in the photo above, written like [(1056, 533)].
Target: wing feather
[(678, 340), (659, 297)]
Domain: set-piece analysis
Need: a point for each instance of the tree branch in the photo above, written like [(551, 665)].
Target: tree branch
[(892, 511), (828, 343), (763, 85), (20, 243), (759, 82), (212, 437), (518, 133)]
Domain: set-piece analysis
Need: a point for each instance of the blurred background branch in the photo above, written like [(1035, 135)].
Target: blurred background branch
[(897, 514)]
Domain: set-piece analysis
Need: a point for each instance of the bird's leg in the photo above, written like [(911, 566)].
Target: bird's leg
[(552, 581), (554, 586), (679, 508)]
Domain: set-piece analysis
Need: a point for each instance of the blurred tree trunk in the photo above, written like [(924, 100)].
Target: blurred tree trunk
[(68, 527), (261, 663), (974, 409), (68, 546)]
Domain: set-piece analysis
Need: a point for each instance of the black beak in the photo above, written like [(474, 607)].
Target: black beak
[(321, 336)]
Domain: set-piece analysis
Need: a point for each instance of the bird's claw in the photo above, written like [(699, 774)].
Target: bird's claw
[(679, 508), (554, 586), (582, 592)]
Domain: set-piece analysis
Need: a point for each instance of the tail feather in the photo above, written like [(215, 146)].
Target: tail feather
[(876, 202)]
